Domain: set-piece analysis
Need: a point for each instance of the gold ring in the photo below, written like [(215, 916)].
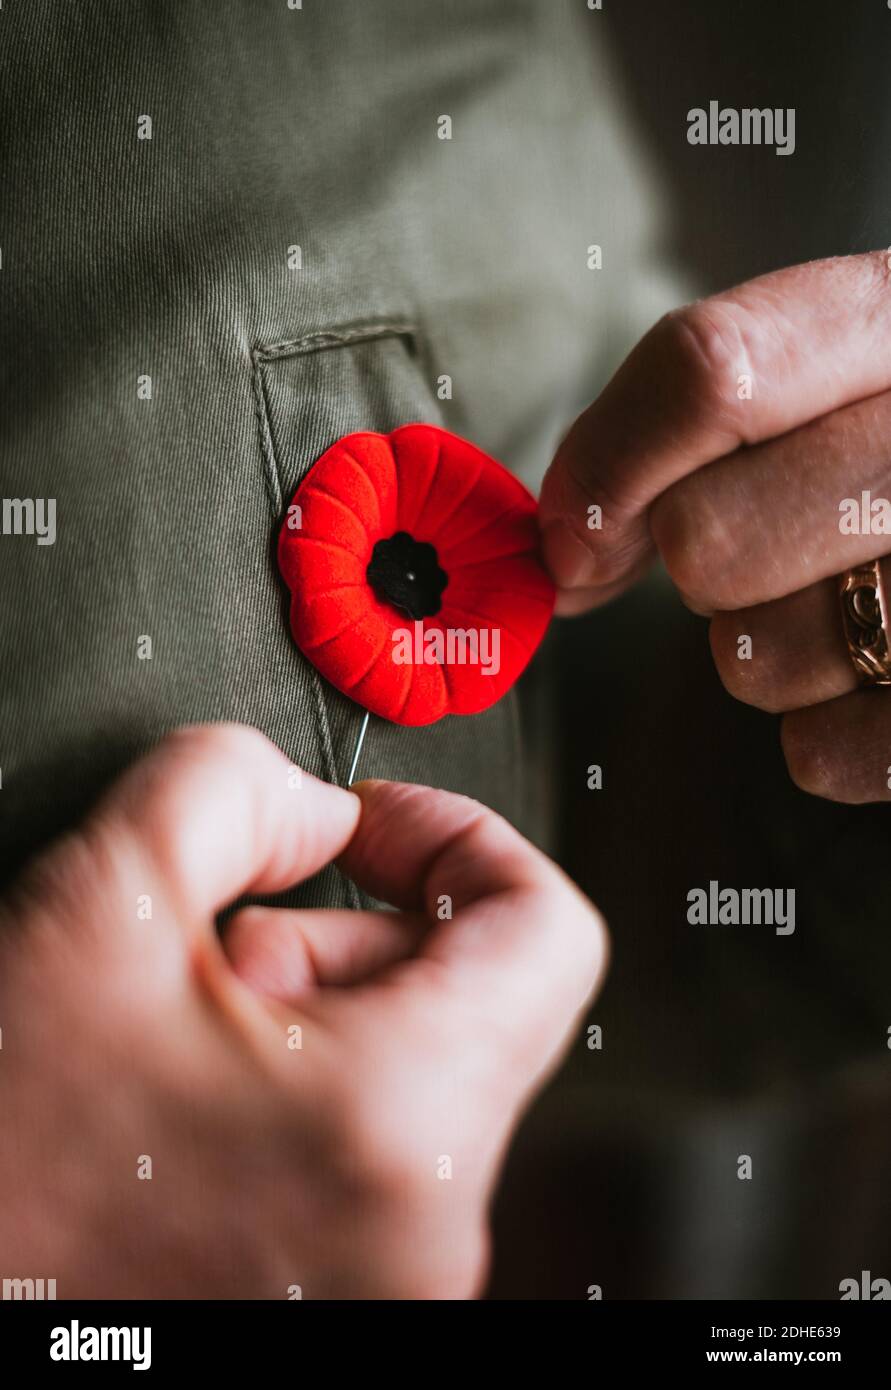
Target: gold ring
[(865, 620)]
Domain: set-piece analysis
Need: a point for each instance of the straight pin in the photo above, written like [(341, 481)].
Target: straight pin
[(361, 739)]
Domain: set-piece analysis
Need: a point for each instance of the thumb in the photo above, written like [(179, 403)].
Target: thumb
[(214, 811)]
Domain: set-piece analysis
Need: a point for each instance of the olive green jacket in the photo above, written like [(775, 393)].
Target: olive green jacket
[(230, 234)]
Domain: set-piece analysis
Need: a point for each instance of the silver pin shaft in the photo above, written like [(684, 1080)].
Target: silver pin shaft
[(359, 741)]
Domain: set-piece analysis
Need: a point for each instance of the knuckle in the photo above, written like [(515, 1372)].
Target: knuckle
[(757, 683), (382, 1151), (594, 957), (695, 546), (601, 943), (707, 350), (460, 1272), (591, 939), (392, 1168), (807, 760)]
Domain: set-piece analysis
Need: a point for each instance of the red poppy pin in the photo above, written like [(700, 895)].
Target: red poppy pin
[(413, 564)]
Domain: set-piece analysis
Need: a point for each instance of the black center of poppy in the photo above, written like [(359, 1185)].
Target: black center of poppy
[(406, 573)]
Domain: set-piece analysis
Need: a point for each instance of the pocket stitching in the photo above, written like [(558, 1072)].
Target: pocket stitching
[(361, 331)]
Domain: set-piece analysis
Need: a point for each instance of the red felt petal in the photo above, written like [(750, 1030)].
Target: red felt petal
[(361, 470), (385, 688), (470, 539), (328, 516), (309, 563), (495, 524), (404, 694), (416, 453), (428, 699), (499, 587), (324, 615), (437, 474), (347, 657), (513, 649)]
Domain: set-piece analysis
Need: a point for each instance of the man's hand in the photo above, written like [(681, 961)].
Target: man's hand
[(325, 1103), (727, 442)]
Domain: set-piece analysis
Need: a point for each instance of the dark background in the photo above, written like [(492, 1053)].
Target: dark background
[(719, 1042)]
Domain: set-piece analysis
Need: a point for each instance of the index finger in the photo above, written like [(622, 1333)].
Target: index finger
[(738, 368)]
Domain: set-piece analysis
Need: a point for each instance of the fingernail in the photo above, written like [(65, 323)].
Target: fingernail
[(569, 560)]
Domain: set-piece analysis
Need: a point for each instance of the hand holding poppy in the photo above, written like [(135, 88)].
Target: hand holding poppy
[(328, 1106), (728, 443)]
